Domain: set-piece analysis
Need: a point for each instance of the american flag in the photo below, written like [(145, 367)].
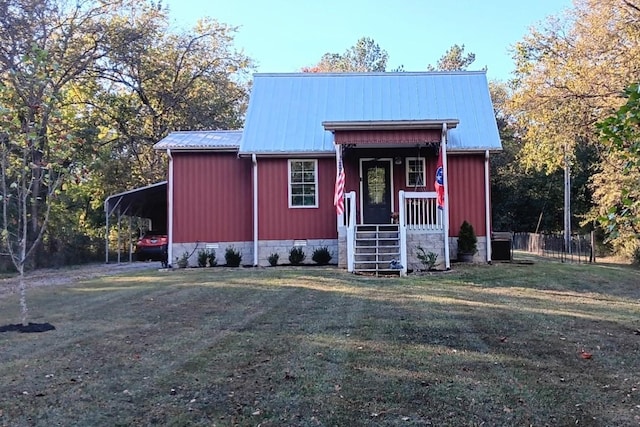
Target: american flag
[(338, 194)]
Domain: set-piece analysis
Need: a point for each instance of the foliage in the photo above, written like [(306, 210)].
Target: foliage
[(203, 257), (211, 258), (454, 60), (428, 259), (296, 255), (365, 56), (321, 256), (619, 192), (570, 72), (273, 259), (467, 240), (232, 256), (92, 86), (183, 261)]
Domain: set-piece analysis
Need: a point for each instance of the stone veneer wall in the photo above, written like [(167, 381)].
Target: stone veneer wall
[(265, 249)]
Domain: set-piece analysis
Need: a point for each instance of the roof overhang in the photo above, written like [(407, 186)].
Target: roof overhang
[(289, 154), (389, 124)]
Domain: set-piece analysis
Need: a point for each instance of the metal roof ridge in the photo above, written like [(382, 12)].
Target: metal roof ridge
[(368, 73)]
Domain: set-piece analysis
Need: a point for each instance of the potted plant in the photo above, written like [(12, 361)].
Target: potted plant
[(467, 242)]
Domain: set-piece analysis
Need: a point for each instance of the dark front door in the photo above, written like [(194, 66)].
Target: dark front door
[(376, 192)]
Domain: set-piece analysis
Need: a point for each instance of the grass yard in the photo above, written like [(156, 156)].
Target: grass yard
[(501, 345)]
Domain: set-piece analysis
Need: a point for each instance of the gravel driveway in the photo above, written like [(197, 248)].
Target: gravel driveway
[(63, 276)]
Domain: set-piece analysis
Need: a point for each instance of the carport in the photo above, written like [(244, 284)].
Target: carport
[(149, 203)]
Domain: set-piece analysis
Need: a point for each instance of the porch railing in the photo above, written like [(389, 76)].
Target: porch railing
[(349, 221), (419, 211)]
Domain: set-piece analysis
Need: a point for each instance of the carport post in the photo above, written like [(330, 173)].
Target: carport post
[(106, 236), (119, 242), (130, 245)]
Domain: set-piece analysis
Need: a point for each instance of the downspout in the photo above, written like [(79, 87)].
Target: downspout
[(487, 206), (445, 182), (170, 210), (254, 160)]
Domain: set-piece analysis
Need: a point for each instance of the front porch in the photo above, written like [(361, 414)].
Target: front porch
[(391, 248)]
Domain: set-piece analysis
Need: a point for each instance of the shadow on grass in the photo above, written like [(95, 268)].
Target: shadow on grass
[(29, 328)]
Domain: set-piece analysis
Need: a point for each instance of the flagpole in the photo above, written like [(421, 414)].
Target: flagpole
[(445, 212)]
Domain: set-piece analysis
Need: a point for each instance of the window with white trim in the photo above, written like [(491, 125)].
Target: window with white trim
[(416, 168), (303, 183)]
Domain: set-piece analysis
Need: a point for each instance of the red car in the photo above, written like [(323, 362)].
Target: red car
[(152, 246)]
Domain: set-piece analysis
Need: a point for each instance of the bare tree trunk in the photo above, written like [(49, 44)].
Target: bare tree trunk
[(24, 310)]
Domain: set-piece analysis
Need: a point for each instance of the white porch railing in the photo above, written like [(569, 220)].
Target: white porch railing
[(419, 211)]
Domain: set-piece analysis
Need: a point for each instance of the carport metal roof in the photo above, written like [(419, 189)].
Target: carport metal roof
[(144, 202)]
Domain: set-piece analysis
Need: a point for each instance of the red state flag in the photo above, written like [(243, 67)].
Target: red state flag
[(439, 184)]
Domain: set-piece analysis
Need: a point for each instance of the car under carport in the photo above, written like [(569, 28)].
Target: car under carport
[(149, 202)]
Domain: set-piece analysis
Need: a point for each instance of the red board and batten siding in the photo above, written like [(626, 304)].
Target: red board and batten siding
[(466, 192), (212, 198), (277, 220)]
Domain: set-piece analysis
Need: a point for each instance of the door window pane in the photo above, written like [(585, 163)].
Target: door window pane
[(376, 185)]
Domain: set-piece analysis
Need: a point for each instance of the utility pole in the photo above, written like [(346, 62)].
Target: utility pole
[(567, 202)]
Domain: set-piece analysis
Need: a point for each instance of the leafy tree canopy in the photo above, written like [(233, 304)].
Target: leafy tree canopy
[(365, 56)]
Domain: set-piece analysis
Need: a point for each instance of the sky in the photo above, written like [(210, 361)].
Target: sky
[(286, 35)]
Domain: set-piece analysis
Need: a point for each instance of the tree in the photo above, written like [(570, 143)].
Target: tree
[(86, 89), (620, 192), (365, 56), (453, 60), (44, 46), (569, 75)]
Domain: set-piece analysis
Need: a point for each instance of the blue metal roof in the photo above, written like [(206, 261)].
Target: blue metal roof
[(286, 111), (201, 140)]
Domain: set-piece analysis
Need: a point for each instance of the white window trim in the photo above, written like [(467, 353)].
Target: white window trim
[(424, 171), (315, 177)]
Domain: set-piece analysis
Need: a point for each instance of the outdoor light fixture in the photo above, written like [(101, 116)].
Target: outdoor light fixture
[(398, 160)]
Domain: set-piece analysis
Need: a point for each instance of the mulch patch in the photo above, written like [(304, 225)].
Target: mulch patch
[(30, 328)]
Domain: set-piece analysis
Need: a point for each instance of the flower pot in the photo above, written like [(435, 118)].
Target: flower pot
[(465, 257)]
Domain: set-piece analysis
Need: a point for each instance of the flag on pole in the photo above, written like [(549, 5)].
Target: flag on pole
[(439, 184), (338, 194)]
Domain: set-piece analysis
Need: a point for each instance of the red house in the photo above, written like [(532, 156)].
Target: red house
[(272, 186)]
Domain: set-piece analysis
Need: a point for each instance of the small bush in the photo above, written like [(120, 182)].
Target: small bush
[(467, 240), (273, 259), (183, 261), (211, 258), (321, 256), (203, 257), (296, 256), (428, 259), (232, 256)]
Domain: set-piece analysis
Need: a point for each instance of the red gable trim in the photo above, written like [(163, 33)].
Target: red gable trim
[(409, 136)]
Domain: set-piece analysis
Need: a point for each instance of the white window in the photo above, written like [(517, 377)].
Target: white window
[(416, 172), (303, 183)]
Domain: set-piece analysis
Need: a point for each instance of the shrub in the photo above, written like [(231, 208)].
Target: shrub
[(203, 257), (296, 256), (211, 258), (467, 240), (232, 257), (183, 261), (273, 259), (428, 259), (321, 256)]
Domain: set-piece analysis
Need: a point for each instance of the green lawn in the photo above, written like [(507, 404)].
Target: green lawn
[(497, 345)]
